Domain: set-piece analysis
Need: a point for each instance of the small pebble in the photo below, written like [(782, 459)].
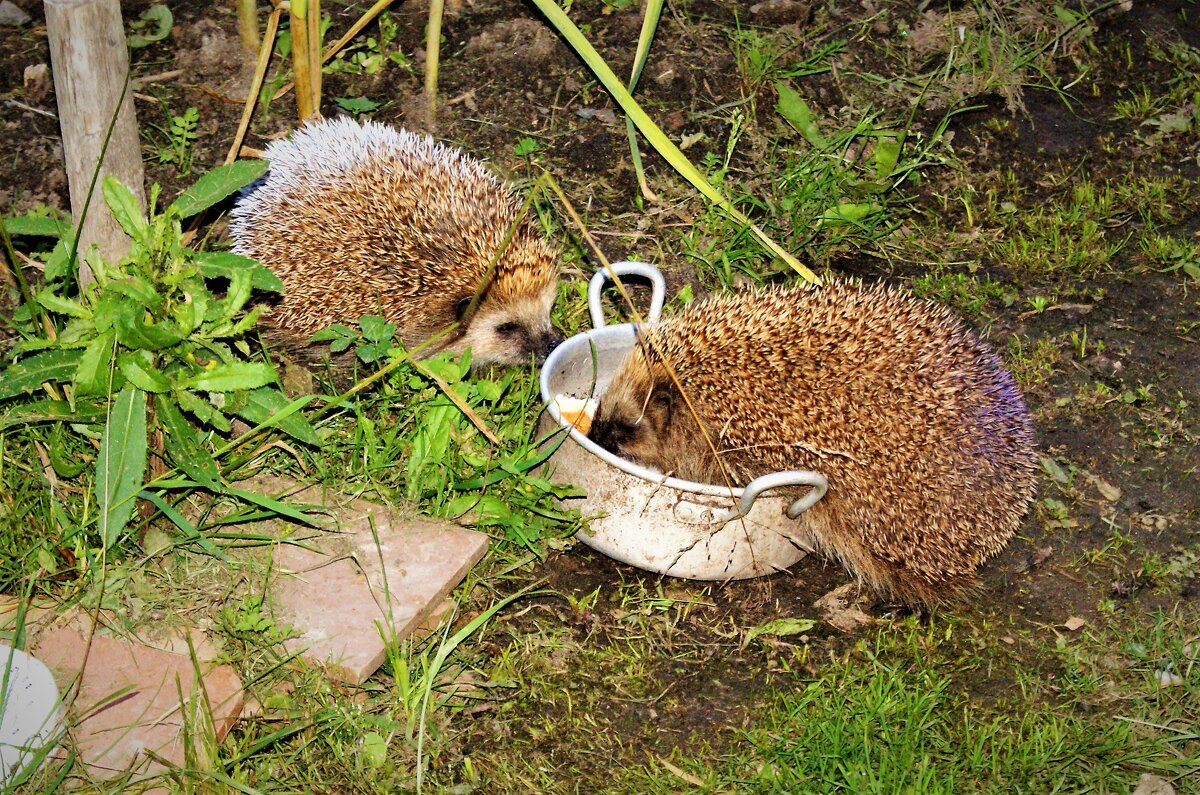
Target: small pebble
[(1168, 679), (35, 82), (11, 14)]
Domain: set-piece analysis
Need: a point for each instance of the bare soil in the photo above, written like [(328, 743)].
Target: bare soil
[(506, 76)]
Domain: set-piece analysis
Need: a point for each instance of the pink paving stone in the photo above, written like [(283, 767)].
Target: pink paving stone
[(346, 593), (347, 598), (128, 699)]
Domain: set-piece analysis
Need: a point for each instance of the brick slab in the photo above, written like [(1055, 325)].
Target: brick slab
[(349, 599), (131, 698), (371, 575)]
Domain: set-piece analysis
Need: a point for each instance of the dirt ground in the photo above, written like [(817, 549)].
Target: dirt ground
[(1127, 492)]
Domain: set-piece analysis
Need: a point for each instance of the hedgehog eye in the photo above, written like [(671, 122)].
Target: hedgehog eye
[(508, 329)]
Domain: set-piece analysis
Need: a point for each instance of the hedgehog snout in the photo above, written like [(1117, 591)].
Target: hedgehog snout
[(550, 340), (613, 435)]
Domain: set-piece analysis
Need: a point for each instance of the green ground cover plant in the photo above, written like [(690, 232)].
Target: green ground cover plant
[(1031, 166)]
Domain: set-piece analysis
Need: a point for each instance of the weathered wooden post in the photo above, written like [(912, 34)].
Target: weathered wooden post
[(91, 66)]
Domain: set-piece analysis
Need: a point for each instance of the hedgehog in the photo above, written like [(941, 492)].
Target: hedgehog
[(924, 438), (367, 219)]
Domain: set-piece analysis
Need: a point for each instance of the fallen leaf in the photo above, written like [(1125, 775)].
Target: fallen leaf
[(680, 773), (837, 611), (779, 628), (1107, 490), (1074, 623), (1054, 470)]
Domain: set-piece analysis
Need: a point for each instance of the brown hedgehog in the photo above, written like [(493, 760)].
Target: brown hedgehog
[(923, 436), (366, 219)]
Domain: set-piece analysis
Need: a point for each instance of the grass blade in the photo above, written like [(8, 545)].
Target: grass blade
[(654, 134), (645, 38), (184, 525)]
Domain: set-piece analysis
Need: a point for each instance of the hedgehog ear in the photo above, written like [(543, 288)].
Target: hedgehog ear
[(662, 402), (460, 308)]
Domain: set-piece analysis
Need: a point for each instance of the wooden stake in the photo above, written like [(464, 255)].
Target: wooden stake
[(247, 15), (433, 49), (307, 105), (314, 53), (91, 69)]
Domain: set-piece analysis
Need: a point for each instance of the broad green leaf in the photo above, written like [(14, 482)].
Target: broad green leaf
[(222, 264), (797, 113), (376, 329), (245, 324), (217, 185), (780, 627), (183, 445), (121, 464), (203, 410), (184, 315), (887, 154), (32, 226), (200, 299), (134, 332), (374, 750), (848, 213), (64, 306), (232, 376), (29, 374), (125, 209), (59, 261), (236, 295), (356, 105), (92, 375), (106, 308), (153, 25), (335, 332), (489, 390), (425, 465), (51, 411), (137, 289), (69, 463), (267, 406), (138, 371)]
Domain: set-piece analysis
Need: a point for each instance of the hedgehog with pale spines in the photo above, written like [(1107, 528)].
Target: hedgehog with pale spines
[(923, 436), (367, 219)]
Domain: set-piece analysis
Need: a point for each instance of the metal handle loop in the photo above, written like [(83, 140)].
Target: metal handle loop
[(796, 477), (658, 294)]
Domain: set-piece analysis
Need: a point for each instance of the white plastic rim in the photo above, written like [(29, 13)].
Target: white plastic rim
[(30, 711)]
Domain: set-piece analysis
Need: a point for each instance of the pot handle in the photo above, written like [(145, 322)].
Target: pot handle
[(658, 292), (816, 482)]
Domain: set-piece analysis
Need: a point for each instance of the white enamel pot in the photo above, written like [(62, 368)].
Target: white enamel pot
[(31, 713), (663, 524)]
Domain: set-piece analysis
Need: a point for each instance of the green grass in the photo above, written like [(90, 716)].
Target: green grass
[(889, 720), (841, 148), (945, 708)]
